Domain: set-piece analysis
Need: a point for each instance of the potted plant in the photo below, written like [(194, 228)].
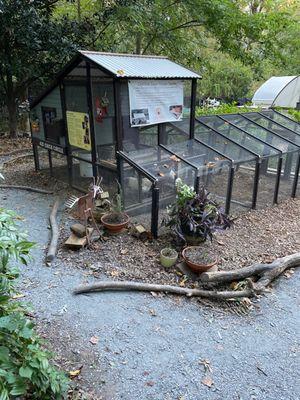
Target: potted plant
[(197, 259), (193, 218), (116, 220), (168, 257)]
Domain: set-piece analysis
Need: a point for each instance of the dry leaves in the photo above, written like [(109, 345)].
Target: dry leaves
[(94, 340), (207, 381), (206, 365), (75, 373)]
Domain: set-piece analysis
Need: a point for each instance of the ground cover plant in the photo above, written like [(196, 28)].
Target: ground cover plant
[(24, 363)]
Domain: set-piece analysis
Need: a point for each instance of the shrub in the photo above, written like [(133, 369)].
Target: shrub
[(24, 364)]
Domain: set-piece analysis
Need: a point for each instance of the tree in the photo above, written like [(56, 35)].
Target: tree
[(33, 46)]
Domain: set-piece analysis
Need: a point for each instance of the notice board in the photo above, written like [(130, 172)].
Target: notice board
[(78, 124), (155, 101)]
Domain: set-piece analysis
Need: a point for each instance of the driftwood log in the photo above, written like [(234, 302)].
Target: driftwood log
[(29, 188), (54, 233), (151, 287), (267, 273)]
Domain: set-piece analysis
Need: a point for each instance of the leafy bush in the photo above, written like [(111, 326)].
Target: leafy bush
[(294, 114), (224, 108), (24, 364), (195, 215)]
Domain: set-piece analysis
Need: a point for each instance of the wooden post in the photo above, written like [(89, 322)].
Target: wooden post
[(89, 94), (193, 108), (118, 127), (68, 147)]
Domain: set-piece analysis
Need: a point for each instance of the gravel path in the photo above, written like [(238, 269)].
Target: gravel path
[(156, 348)]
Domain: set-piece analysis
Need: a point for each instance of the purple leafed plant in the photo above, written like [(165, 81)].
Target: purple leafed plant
[(195, 215)]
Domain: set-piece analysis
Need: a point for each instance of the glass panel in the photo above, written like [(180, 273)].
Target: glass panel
[(283, 120), (243, 185), (222, 144), (238, 136), (104, 121), (79, 128), (259, 132), (82, 174), (47, 120), (275, 127)]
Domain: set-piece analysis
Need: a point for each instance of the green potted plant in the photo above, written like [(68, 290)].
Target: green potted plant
[(168, 257), (193, 218), (115, 220)]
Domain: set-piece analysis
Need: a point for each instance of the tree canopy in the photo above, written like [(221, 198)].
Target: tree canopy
[(233, 44)]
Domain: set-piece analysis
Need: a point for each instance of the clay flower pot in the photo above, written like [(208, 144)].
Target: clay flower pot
[(115, 222), (197, 266), (168, 257)]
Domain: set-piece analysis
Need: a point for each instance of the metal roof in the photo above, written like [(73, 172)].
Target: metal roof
[(139, 66)]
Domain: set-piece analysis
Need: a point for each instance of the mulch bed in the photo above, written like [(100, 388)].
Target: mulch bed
[(257, 236)]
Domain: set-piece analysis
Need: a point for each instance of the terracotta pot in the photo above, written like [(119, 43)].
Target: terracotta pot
[(197, 267), (114, 227)]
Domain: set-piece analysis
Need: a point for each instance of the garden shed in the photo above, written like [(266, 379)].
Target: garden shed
[(278, 91), (131, 119)]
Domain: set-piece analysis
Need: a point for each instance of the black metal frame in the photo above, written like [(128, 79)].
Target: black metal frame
[(89, 65)]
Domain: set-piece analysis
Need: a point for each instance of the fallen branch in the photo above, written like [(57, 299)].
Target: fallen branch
[(55, 233), (150, 287), (17, 158), (29, 188), (267, 271), (13, 152)]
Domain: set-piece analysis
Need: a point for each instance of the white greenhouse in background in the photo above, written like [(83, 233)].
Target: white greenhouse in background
[(278, 91)]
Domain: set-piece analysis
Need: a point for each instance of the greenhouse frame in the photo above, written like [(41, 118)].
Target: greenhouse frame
[(93, 121)]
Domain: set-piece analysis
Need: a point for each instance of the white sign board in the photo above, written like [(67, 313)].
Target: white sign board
[(155, 101)]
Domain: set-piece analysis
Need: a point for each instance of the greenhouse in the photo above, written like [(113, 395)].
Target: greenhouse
[(131, 120), (278, 91)]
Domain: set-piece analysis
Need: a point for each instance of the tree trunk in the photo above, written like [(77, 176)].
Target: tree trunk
[(138, 43), (11, 107)]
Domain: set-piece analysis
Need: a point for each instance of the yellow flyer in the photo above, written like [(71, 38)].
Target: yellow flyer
[(79, 129)]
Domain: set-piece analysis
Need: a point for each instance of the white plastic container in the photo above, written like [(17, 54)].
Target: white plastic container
[(85, 169)]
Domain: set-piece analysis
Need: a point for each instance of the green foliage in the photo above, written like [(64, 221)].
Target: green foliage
[(226, 78), (295, 114), (194, 214), (224, 108), (24, 364)]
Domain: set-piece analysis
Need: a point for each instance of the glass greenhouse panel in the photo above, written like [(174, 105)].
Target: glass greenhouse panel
[(243, 187), (275, 127), (164, 167), (213, 169), (283, 120), (245, 139), (223, 144), (261, 133)]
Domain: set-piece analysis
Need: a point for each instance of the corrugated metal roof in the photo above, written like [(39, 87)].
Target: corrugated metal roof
[(137, 66)]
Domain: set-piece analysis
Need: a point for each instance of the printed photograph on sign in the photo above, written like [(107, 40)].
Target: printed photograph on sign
[(140, 117), (176, 111)]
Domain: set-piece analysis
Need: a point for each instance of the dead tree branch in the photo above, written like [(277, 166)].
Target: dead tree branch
[(55, 233), (29, 188), (267, 273), (150, 287)]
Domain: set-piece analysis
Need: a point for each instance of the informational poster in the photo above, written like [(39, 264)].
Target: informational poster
[(155, 101), (79, 129)]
